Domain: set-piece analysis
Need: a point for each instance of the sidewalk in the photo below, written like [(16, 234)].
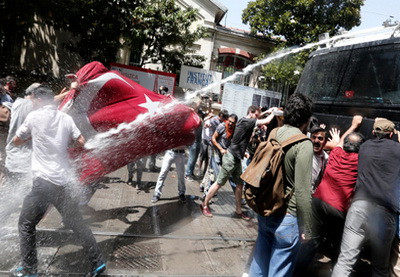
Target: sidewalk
[(140, 238)]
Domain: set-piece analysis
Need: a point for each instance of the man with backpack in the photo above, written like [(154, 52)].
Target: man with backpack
[(280, 232)]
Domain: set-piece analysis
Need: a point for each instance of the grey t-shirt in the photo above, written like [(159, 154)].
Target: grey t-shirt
[(18, 157)]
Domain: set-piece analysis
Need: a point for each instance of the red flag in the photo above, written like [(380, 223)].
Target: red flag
[(144, 122), (349, 94)]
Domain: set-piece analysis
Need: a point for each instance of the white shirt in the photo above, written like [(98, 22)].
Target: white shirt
[(319, 162), (18, 157), (51, 132)]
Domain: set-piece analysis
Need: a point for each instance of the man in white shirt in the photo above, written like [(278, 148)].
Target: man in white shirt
[(319, 139), (51, 132)]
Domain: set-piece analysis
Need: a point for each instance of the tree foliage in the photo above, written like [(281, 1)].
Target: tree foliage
[(163, 31), (102, 27), (301, 21), (286, 70), (298, 22)]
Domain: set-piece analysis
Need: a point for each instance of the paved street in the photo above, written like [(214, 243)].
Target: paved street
[(139, 238)]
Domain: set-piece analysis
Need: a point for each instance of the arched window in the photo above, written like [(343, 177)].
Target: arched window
[(231, 60)]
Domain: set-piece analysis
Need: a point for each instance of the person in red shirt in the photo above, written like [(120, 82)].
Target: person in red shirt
[(331, 199)]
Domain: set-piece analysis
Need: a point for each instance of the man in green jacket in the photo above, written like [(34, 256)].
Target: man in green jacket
[(279, 235)]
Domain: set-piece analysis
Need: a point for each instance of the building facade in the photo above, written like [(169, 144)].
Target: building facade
[(225, 49)]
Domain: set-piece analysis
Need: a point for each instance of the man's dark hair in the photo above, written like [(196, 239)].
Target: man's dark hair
[(43, 92), (163, 90), (381, 135), (234, 116), (224, 114), (352, 142), (253, 109), (298, 110), (9, 79), (317, 129)]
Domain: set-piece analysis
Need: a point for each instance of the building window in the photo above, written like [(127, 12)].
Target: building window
[(228, 64)]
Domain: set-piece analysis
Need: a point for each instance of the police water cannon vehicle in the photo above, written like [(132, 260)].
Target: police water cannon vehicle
[(357, 74)]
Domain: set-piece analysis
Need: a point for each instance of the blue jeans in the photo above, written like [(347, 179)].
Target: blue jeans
[(194, 151), (366, 220), (276, 246)]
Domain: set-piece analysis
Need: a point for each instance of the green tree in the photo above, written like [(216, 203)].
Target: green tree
[(163, 32), (301, 21), (286, 71), (156, 28), (297, 22)]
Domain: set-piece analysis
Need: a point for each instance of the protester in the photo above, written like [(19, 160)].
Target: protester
[(375, 207), (139, 173), (231, 160), (221, 140), (18, 160), (279, 235), (194, 149), (320, 158), (395, 254), (51, 131), (177, 156), (209, 176), (205, 138), (9, 83), (332, 197)]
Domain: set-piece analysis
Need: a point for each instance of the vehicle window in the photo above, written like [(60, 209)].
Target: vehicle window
[(361, 76), (323, 74), (373, 75)]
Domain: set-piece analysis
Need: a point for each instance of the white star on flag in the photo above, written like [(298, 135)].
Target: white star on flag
[(150, 105)]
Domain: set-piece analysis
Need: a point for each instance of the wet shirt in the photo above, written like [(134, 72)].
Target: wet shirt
[(379, 173), (51, 132), (338, 182), (241, 137), (18, 158)]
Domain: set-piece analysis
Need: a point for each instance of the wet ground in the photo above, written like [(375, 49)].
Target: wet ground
[(139, 238)]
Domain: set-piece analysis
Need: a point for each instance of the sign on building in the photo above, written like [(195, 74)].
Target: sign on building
[(150, 79), (196, 78), (237, 98)]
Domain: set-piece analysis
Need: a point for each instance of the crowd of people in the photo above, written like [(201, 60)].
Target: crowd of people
[(346, 189)]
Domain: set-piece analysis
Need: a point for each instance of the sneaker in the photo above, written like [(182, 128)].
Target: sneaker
[(96, 271), (201, 188), (129, 182), (205, 210), (155, 198), (189, 178), (21, 272), (182, 198), (154, 169), (242, 215)]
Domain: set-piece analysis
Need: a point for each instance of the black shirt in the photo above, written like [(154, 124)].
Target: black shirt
[(241, 136), (379, 173)]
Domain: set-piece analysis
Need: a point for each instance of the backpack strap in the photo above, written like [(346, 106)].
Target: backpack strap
[(285, 144), (293, 139)]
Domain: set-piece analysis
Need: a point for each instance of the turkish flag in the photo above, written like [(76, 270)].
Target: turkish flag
[(122, 121)]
